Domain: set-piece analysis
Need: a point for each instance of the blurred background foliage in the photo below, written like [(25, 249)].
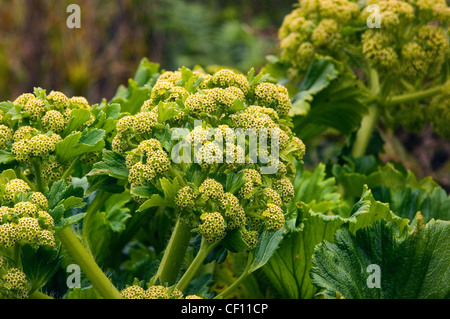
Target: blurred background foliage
[(38, 49)]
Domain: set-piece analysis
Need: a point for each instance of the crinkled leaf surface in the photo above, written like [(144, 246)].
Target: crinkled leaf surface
[(330, 96), (400, 188), (288, 269), (414, 265)]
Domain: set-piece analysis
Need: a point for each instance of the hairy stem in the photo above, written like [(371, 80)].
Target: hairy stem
[(174, 254), (365, 132), (413, 96), (205, 249), (88, 264)]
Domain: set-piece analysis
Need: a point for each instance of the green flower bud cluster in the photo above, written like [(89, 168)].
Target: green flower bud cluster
[(410, 41), (24, 218), (152, 292), (13, 283), (146, 162), (39, 123), (227, 105), (315, 27)]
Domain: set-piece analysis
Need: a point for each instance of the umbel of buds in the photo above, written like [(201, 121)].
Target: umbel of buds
[(195, 130)]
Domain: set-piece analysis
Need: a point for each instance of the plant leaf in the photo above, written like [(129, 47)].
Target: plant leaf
[(288, 269), (40, 264), (412, 265), (329, 97), (79, 143), (113, 165)]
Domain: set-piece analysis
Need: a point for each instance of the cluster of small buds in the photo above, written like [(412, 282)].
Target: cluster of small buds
[(232, 211), (185, 197), (227, 78), (210, 189), (42, 124), (315, 27), (226, 103), (252, 178), (274, 95), (13, 188), (6, 135), (146, 162), (14, 284), (24, 133), (213, 227), (26, 221), (411, 41), (285, 188), (274, 217), (52, 169), (152, 292)]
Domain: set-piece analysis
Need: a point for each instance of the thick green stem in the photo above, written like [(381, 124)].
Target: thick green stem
[(37, 174), (88, 265), (205, 249), (174, 254), (39, 295), (369, 120), (413, 96), (365, 132)]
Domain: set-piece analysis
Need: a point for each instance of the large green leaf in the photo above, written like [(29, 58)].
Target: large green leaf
[(40, 264), (412, 265), (288, 269), (80, 143), (398, 187), (113, 164), (316, 190), (330, 96)]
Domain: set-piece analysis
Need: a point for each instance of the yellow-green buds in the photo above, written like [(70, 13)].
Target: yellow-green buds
[(185, 197), (285, 188), (213, 227), (274, 217), (15, 284), (210, 189), (6, 135), (15, 187)]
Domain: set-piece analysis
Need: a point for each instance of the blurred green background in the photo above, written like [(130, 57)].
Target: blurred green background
[(38, 49)]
